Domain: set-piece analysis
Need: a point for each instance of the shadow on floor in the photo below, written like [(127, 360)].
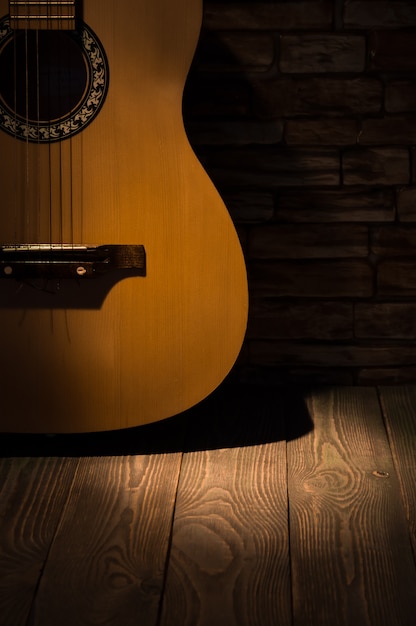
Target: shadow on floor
[(233, 416)]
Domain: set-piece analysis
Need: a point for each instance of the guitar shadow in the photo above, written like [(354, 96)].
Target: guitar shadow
[(233, 416), (88, 293)]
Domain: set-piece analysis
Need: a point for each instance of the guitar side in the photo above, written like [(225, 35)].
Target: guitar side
[(155, 345)]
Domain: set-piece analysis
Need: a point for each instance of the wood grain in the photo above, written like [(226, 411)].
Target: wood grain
[(107, 562), (229, 536), (351, 557), (32, 495), (229, 562), (398, 405)]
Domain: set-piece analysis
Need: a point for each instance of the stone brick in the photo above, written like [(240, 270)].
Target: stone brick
[(401, 96), (225, 51), (413, 165), (279, 353), (312, 320), (380, 13), (316, 279), (397, 278), (393, 241), (309, 241), (394, 320), (386, 376), (249, 206), (322, 53), (393, 51), (242, 235), (282, 375), (291, 97), (216, 96), (234, 132), (319, 376), (331, 132), (348, 204), (310, 137), (288, 15), (388, 131), (406, 204), (272, 168), (384, 166)]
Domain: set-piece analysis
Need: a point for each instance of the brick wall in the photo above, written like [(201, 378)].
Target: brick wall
[(303, 113)]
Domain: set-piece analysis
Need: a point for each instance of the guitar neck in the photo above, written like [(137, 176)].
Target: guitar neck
[(46, 15)]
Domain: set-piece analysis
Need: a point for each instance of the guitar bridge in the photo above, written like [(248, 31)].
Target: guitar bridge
[(59, 261)]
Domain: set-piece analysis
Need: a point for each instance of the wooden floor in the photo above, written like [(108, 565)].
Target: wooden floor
[(261, 507)]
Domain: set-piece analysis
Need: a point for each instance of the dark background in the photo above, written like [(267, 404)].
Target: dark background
[(303, 113)]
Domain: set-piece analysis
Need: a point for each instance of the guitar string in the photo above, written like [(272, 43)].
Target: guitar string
[(27, 163), (38, 164), (65, 151), (32, 198), (20, 189), (69, 78), (30, 223), (15, 212), (50, 154)]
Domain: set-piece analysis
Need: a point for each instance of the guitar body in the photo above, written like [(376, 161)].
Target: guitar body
[(119, 350)]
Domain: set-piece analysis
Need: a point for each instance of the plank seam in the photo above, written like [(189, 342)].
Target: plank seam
[(31, 620), (169, 549), (397, 468), (289, 546)]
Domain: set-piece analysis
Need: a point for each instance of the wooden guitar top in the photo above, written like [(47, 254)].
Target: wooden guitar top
[(122, 349)]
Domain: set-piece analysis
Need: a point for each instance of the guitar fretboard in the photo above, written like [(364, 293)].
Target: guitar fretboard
[(46, 15)]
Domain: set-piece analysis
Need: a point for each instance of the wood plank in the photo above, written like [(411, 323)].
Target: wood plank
[(398, 405), (230, 540), (351, 556), (32, 494), (229, 562), (107, 563)]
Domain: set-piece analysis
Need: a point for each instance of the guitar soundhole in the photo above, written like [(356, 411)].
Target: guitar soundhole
[(45, 75), (52, 83)]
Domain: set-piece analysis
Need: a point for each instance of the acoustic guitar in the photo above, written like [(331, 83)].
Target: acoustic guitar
[(123, 292)]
